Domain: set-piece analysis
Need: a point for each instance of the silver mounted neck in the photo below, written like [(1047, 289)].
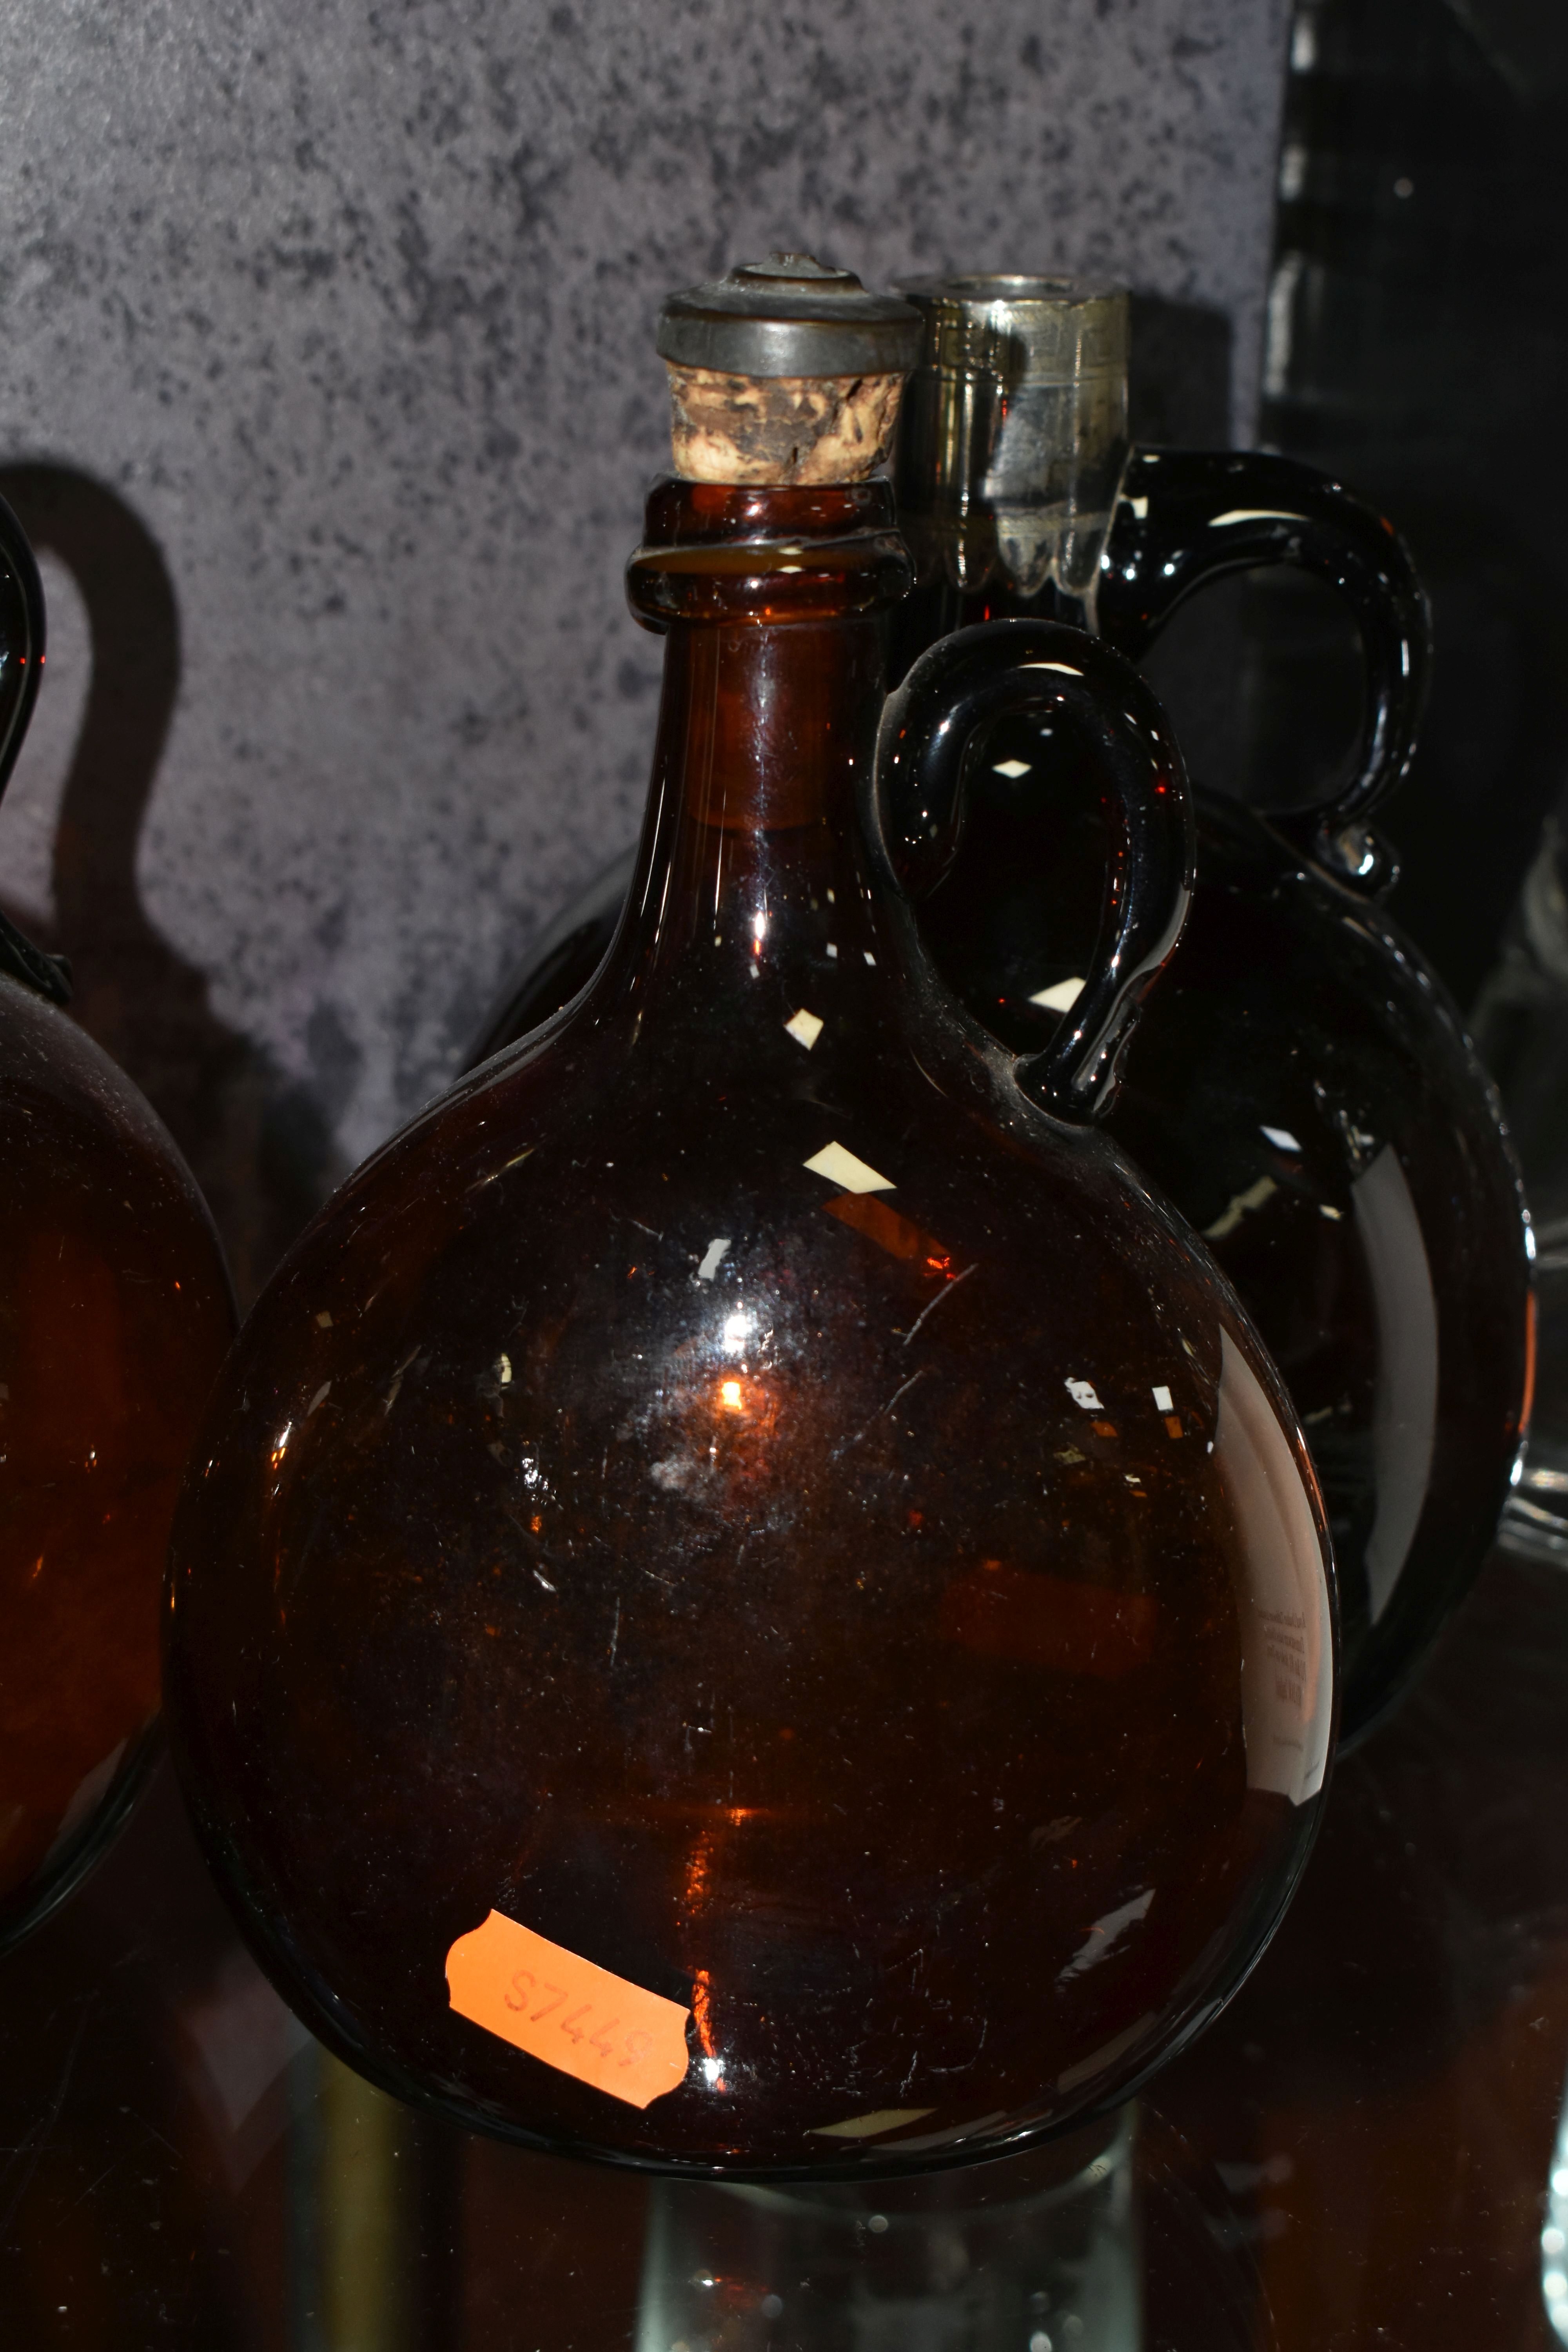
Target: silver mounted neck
[(1013, 432)]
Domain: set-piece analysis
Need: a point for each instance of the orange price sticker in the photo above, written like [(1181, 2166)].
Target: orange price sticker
[(576, 2017)]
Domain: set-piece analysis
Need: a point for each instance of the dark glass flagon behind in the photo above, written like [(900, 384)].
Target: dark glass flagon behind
[(115, 1311), (753, 1489), (1300, 1087)]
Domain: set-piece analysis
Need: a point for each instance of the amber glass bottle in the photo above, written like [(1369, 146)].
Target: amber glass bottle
[(115, 1311), (748, 1600), (1302, 1086)]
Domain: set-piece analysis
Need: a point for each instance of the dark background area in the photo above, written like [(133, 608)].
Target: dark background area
[(1417, 347)]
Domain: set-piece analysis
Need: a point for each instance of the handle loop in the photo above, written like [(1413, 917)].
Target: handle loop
[(1183, 517), (932, 731), (21, 668)]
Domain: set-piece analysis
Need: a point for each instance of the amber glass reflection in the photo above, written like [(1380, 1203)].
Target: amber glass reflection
[(739, 1492), (114, 1316)]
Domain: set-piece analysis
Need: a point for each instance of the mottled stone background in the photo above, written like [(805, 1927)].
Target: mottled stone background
[(328, 391)]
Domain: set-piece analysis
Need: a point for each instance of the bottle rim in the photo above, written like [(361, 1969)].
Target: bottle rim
[(985, 289)]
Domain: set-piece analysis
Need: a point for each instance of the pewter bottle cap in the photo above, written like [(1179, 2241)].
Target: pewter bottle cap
[(789, 316)]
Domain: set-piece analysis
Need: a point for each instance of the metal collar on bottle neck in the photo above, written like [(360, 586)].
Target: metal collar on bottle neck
[(1014, 431), (1035, 331), (789, 316)]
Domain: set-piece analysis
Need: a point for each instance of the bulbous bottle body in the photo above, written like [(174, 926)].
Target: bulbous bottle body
[(115, 1313), (743, 1499)]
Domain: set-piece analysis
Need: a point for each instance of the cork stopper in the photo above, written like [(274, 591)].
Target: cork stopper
[(785, 372)]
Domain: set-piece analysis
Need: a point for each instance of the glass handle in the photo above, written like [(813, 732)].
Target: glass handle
[(933, 728), (1183, 517), (21, 668)]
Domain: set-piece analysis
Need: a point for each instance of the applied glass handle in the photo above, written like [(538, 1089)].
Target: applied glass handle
[(934, 728), (1184, 517)]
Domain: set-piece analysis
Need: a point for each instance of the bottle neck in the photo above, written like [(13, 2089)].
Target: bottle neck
[(937, 605), (1012, 444), (774, 603)]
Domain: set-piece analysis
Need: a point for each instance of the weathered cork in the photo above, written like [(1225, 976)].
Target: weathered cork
[(781, 429)]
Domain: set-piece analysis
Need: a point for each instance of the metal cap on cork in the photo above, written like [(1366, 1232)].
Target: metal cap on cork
[(1014, 428), (787, 371)]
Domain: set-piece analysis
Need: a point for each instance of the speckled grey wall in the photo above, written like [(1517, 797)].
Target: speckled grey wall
[(326, 378)]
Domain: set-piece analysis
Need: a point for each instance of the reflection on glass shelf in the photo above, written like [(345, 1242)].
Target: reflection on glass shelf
[(1535, 1517), (1554, 2234), (1521, 1029), (1041, 2252), (353, 2212)]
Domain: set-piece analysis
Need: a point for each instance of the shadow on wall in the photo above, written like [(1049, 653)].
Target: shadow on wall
[(1179, 397), (258, 1144), (1178, 384)]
